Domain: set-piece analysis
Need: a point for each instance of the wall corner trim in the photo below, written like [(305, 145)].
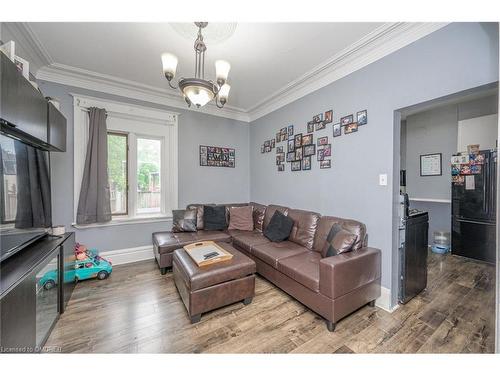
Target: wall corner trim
[(384, 301)]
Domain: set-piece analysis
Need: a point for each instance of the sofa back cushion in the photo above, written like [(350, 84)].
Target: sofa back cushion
[(214, 217), (270, 210), (279, 227), (259, 211), (304, 228), (184, 220), (325, 225), (200, 224), (241, 218), (229, 205)]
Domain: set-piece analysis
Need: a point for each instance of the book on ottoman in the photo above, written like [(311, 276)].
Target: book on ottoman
[(207, 252)]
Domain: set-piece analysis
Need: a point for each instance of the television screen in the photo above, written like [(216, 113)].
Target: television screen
[(25, 207)]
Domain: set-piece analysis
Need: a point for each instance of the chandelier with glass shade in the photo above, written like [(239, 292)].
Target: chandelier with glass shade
[(198, 90)]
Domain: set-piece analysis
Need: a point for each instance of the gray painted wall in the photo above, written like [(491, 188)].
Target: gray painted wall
[(196, 184), (457, 57)]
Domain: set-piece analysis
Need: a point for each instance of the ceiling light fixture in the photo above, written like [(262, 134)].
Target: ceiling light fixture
[(198, 90)]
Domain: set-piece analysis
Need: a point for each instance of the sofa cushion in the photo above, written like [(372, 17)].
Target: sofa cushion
[(303, 268), (259, 211), (241, 218), (214, 218), (184, 220), (272, 252), (228, 207), (199, 214), (247, 240), (325, 224), (167, 242), (304, 227), (279, 227), (338, 241), (270, 210)]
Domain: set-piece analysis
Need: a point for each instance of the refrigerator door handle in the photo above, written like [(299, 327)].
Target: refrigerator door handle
[(485, 187), (475, 222)]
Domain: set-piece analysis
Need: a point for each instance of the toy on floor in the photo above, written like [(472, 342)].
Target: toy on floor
[(88, 265)]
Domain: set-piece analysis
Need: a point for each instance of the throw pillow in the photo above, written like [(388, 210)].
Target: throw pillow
[(241, 218), (214, 217), (279, 227), (184, 220), (338, 241)]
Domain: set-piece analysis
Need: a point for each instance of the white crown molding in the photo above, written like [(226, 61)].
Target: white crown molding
[(381, 42), (86, 79)]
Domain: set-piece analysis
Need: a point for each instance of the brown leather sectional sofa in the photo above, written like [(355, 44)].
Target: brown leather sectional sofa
[(333, 287)]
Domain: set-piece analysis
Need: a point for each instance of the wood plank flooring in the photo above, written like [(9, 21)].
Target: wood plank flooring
[(139, 310)]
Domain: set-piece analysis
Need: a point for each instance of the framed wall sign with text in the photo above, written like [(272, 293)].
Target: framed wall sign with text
[(430, 165)]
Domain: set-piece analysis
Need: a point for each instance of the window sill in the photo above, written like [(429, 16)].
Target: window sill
[(125, 221)]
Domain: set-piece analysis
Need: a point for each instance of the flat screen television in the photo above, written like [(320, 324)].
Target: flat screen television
[(25, 207)]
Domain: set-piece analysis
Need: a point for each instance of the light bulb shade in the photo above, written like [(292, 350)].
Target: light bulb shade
[(224, 92), (198, 91), (222, 68), (169, 63)]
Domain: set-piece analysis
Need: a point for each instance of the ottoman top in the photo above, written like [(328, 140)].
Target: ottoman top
[(202, 277)]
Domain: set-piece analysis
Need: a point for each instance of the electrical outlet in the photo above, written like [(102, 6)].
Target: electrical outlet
[(382, 179)]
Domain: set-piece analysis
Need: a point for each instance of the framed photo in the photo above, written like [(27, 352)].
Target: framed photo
[(262, 149), (267, 143), (351, 128), (295, 166), (320, 125), (278, 137), (328, 117), (280, 158), (291, 145), (337, 130), (431, 165), (321, 155), (298, 140), (290, 130), (307, 139), (299, 153), (310, 127), (284, 137), (362, 117), (306, 163), (290, 156), (23, 66), (322, 141), (325, 164), (318, 118), (346, 120), (267, 148), (327, 150), (273, 143), (281, 168), (309, 150), (213, 156), (283, 131), (279, 150)]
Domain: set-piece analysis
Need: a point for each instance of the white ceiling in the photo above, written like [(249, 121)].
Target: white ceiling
[(264, 57)]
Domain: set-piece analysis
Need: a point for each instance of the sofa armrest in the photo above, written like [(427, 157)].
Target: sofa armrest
[(341, 274)]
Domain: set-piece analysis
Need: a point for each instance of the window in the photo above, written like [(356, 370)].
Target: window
[(142, 159)]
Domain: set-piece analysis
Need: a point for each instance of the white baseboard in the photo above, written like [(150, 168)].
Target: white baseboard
[(384, 301), (130, 255)]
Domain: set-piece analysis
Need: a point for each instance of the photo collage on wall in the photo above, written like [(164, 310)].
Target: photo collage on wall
[(212, 156), (300, 149)]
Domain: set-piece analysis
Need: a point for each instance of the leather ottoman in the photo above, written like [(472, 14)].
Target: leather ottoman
[(209, 287)]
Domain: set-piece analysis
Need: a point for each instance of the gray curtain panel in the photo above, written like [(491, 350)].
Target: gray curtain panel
[(94, 203)]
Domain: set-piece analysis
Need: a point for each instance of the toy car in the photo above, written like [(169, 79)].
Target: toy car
[(84, 269)]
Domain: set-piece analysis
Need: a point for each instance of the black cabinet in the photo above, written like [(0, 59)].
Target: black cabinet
[(57, 129)]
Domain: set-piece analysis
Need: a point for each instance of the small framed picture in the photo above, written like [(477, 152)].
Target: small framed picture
[(320, 125), (321, 155), (322, 141), (306, 163), (281, 168), (337, 130), (291, 145), (431, 165), (283, 130), (273, 143), (278, 137), (328, 117), (318, 118), (279, 149), (325, 164), (267, 148), (290, 156), (346, 120), (262, 149), (295, 166), (290, 130), (307, 139), (327, 150), (299, 153), (298, 140), (284, 137), (362, 117), (267, 143), (310, 127), (309, 150), (351, 128)]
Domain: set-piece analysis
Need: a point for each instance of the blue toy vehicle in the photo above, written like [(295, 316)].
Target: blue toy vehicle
[(84, 269)]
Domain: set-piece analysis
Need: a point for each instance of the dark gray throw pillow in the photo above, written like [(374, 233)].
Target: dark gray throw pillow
[(214, 217), (279, 228), (184, 220), (338, 241)]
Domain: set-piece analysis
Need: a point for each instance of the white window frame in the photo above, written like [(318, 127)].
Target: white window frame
[(138, 121)]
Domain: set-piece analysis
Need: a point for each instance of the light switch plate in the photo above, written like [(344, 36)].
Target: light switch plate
[(382, 179)]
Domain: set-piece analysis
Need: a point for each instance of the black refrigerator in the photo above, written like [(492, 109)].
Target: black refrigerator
[(473, 209)]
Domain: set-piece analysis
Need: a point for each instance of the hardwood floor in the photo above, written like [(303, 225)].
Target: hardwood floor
[(139, 310)]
